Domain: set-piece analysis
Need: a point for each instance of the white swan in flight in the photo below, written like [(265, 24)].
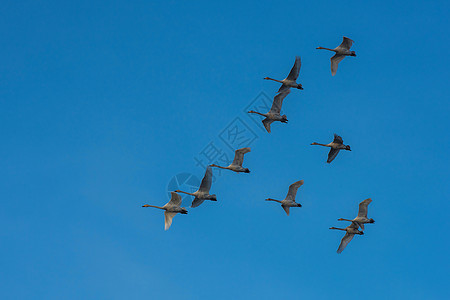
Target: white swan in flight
[(274, 112), (361, 219), (342, 51), (170, 209), (350, 230), (289, 201), (202, 193), (290, 80), (336, 145), (236, 165)]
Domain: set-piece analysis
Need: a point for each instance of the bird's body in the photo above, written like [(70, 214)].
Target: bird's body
[(361, 219), (274, 112), (350, 230), (236, 165), (341, 51), (171, 208), (291, 80), (336, 145), (202, 193), (289, 201)]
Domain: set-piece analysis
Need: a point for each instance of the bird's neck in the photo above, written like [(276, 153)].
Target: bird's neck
[(268, 78), (320, 144), (345, 220), (335, 228), (270, 199), (185, 193), (255, 112), (147, 205), (323, 48)]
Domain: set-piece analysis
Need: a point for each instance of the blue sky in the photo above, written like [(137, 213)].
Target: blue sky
[(103, 103)]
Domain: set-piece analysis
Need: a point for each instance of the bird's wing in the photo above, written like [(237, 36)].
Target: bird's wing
[(239, 156), (335, 60), (332, 154), (266, 122), (278, 102), (337, 139), (354, 225), (293, 190), (197, 202), (175, 200), (363, 206), (205, 186), (344, 242), (346, 43), (283, 88), (286, 209), (293, 75), (168, 216)]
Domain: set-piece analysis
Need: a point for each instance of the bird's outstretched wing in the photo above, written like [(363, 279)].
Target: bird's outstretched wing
[(278, 102), (293, 190), (239, 156), (286, 209), (283, 88), (344, 242), (346, 43), (293, 75), (168, 216), (337, 139), (335, 60), (205, 186), (266, 122), (197, 202), (175, 200), (332, 154), (363, 207)]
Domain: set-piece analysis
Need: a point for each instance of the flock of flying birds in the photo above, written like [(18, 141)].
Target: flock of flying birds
[(203, 193)]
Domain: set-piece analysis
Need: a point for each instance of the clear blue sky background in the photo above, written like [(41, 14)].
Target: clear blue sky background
[(102, 103)]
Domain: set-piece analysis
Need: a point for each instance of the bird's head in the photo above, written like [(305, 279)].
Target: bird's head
[(184, 211), (299, 86), (213, 197), (284, 119), (266, 78), (246, 170), (145, 205), (371, 221), (340, 219), (360, 232), (353, 53), (348, 148)]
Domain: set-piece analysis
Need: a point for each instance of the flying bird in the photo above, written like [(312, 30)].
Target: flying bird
[(170, 209), (202, 193), (351, 230), (342, 51), (236, 165), (289, 201), (290, 80), (274, 112), (361, 219), (336, 145)]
